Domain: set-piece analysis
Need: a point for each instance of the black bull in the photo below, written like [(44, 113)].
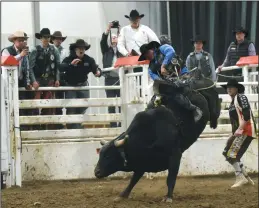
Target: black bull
[(156, 139)]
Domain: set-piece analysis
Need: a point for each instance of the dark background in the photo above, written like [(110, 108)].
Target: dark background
[(213, 20)]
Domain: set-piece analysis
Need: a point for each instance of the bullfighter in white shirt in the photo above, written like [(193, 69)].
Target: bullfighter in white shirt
[(134, 35)]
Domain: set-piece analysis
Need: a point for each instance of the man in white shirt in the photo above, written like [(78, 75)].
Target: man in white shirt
[(134, 35)]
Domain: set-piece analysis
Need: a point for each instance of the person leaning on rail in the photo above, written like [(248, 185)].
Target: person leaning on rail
[(77, 66), (241, 47)]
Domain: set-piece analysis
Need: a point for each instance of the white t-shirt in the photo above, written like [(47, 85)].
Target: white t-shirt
[(130, 38)]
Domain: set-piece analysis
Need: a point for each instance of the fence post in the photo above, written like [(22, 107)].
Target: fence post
[(9, 65), (246, 78), (123, 95), (145, 85)]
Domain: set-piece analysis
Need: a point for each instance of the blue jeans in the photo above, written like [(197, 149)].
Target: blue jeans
[(71, 111)]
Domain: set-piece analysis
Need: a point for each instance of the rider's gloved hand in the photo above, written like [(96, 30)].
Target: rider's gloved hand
[(157, 101)]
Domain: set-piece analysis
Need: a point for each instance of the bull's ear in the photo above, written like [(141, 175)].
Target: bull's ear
[(103, 142)]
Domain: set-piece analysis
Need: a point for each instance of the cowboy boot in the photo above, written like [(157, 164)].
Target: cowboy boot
[(186, 103), (246, 175), (151, 103)]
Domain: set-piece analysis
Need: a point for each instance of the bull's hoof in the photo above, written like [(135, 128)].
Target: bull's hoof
[(167, 200), (120, 198)]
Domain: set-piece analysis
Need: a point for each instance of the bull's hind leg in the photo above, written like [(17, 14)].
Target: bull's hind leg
[(133, 181), (173, 169)]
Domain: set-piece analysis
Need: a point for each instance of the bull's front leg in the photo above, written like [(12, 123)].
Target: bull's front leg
[(173, 169), (133, 181)]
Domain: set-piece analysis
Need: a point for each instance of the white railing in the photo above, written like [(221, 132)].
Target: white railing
[(134, 97)]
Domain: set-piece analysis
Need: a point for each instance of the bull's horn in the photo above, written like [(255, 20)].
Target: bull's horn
[(121, 142), (103, 142)]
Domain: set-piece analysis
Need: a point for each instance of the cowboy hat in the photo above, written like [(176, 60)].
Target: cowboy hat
[(240, 29), (57, 34), (234, 83), (43, 32), (134, 14), (80, 43), (17, 34), (198, 38), (146, 47)]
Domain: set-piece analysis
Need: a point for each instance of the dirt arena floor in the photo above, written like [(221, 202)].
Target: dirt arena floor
[(212, 192)]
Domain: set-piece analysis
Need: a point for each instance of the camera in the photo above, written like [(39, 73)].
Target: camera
[(115, 24)]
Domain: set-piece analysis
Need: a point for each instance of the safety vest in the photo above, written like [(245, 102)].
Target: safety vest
[(46, 63)]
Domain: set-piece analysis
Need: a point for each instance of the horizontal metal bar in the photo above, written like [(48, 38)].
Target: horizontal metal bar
[(55, 119), (72, 141), (134, 74), (250, 97), (224, 114), (75, 88), (243, 83), (110, 69), (69, 103), (70, 133), (228, 68)]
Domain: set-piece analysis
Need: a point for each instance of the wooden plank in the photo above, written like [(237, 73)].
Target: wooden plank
[(225, 115), (222, 128), (250, 97), (70, 133), (55, 119), (66, 140), (69, 103)]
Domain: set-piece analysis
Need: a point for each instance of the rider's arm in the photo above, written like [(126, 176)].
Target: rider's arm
[(184, 71), (153, 75), (169, 53)]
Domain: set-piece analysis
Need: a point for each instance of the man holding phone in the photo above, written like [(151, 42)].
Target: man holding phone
[(20, 52), (110, 54)]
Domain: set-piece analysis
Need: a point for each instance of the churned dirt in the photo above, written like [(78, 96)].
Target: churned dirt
[(208, 192)]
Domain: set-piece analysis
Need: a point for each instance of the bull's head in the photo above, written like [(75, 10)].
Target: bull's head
[(110, 160)]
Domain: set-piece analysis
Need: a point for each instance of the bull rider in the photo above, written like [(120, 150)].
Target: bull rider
[(163, 60)]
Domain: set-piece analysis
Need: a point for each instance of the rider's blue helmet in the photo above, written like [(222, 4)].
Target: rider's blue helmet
[(165, 39)]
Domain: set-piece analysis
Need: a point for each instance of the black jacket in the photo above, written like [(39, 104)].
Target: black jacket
[(75, 74), (108, 52)]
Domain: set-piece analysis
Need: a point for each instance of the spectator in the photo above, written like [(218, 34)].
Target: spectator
[(44, 64), (57, 39), (19, 50), (201, 59), (239, 48), (135, 35), (77, 66), (110, 55)]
